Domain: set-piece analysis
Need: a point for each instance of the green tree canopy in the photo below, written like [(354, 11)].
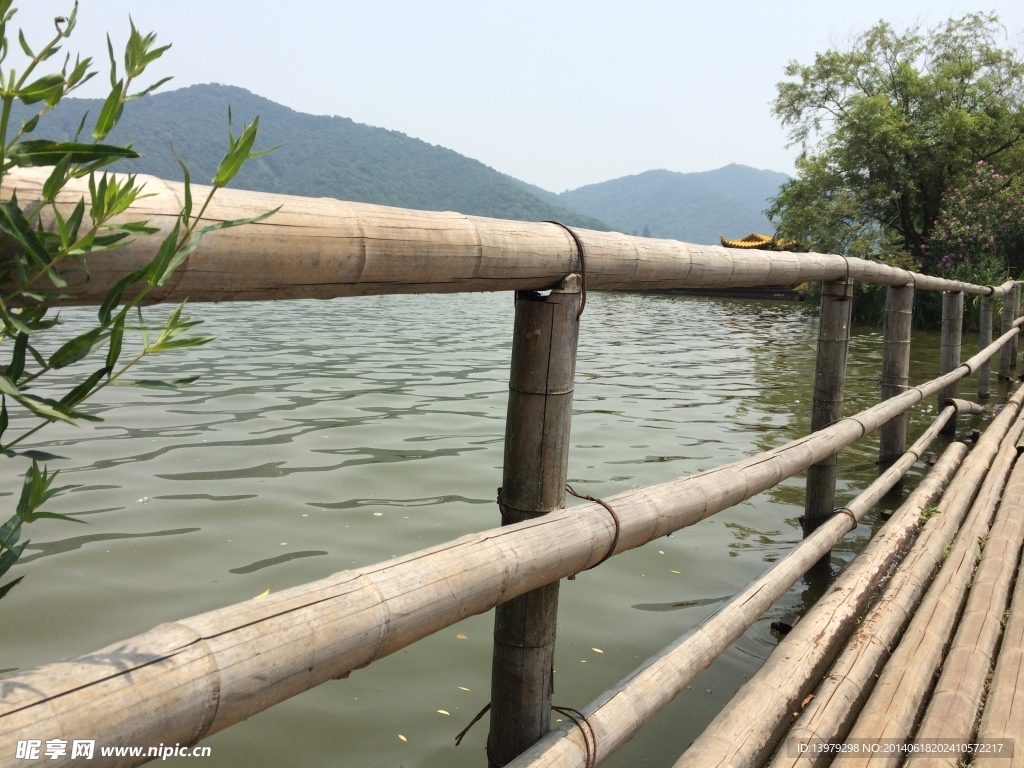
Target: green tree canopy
[(888, 126)]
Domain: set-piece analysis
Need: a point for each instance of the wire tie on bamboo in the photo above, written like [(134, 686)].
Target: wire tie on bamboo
[(589, 742), (580, 720), (506, 519), (615, 518), (583, 264), (474, 721)]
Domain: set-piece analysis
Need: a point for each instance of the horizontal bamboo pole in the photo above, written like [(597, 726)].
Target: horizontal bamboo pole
[(1004, 707), (621, 711), (747, 730), (837, 701), (185, 680), (898, 697), (319, 248), (957, 696)]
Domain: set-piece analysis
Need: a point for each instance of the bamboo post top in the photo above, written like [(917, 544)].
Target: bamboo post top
[(319, 248)]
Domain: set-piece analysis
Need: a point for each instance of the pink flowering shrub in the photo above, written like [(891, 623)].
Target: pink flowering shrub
[(980, 218)]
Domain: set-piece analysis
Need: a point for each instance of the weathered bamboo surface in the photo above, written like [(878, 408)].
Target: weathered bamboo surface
[(949, 353), (319, 248), (841, 695), (957, 696), (199, 675), (1004, 708), (747, 730), (898, 697), (622, 710)]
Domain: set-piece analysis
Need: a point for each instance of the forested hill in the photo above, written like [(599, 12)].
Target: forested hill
[(319, 156), (693, 207)]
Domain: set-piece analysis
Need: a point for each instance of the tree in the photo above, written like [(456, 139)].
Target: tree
[(45, 247), (888, 126)]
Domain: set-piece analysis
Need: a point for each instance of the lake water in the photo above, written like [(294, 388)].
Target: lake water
[(328, 435)]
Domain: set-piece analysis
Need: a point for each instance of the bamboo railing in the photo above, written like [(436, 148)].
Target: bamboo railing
[(185, 680)]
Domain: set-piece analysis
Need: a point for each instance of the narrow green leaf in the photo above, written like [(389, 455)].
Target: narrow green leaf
[(110, 113), (43, 88), (237, 154), (236, 222), (17, 365), (188, 341), (75, 349), (9, 557), (114, 295), (84, 389), (157, 273), (36, 152), (27, 126), (114, 84), (116, 337), (24, 45), (57, 179), (151, 88), (186, 212), (14, 223)]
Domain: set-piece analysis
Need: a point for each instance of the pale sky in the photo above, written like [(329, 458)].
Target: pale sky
[(558, 94)]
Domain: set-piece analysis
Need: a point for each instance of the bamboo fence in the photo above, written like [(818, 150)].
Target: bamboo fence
[(319, 248), (185, 680)]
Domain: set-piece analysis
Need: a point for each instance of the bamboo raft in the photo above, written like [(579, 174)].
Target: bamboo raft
[(919, 639)]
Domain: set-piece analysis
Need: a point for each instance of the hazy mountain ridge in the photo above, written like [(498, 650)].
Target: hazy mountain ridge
[(322, 156), (319, 156), (694, 207)]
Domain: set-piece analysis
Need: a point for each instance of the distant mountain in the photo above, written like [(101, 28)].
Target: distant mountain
[(324, 156), (319, 156), (693, 207)]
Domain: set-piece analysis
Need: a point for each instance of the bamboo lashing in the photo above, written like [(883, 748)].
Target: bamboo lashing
[(318, 248)]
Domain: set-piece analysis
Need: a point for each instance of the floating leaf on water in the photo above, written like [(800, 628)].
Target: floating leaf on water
[(443, 712), (464, 689), (461, 636), (264, 593), (677, 572), (143, 500), (583, 661), (597, 650), (402, 737)]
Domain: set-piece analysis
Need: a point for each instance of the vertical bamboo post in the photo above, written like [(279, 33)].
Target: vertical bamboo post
[(1016, 313), (949, 355), (1006, 356), (984, 339), (536, 457), (899, 307), (829, 376)]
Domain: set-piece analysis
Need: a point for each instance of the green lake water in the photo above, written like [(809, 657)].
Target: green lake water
[(329, 435)]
